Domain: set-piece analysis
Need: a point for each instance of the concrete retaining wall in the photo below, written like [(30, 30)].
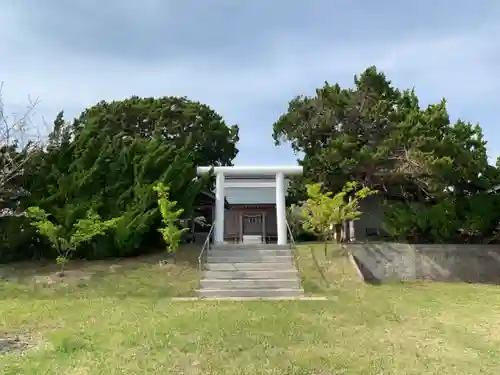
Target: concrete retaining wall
[(385, 262)]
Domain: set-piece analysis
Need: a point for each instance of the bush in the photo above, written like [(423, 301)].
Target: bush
[(452, 220), (19, 240)]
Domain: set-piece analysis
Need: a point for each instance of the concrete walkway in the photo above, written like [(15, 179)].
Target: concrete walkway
[(303, 298)]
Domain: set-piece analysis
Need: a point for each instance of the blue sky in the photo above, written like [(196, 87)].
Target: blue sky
[(247, 59)]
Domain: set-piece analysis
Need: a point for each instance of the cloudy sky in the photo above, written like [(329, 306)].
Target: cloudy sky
[(247, 59)]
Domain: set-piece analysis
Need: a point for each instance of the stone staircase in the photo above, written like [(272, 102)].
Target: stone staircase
[(246, 271)]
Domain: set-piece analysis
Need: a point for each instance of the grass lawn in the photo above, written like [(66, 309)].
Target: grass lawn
[(116, 318)]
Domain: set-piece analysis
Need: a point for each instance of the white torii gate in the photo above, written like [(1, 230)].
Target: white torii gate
[(278, 171)]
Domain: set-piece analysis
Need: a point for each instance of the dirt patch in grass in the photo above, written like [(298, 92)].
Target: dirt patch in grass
[(17, 343), (66, 277), (12, 344)]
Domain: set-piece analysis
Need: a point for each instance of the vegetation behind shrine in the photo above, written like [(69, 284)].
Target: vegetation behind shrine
[(433, 175)]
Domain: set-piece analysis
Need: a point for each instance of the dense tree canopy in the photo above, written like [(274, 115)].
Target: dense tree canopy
[(176, 120), (110, 158), (378, 135), (113, 175)]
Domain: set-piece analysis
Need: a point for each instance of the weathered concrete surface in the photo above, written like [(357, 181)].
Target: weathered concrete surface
[(250, 271), (385, 262)]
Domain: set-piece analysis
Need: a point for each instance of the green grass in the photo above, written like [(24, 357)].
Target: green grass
[(328, 274), (120, 320)]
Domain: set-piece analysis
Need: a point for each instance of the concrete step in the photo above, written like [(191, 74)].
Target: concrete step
[(250, 252), (263, 293), (249, 266), (252, 239), (250, 284), (249, 259), (291, 298), (396, 247), (263, 246), (272, 274)]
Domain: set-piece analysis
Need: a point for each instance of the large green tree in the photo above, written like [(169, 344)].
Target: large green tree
[(176, 120), (379, 135), (109, 159), (113, 175)]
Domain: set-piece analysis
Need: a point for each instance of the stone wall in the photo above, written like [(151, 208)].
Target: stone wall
[(385, 262)]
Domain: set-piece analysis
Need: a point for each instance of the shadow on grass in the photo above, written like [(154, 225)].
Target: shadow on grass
[(319, 269), (315, 267), (333, 273)]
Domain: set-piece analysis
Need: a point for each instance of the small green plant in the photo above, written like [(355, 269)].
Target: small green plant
[(66, 241), (323, 212), (172, 230)]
